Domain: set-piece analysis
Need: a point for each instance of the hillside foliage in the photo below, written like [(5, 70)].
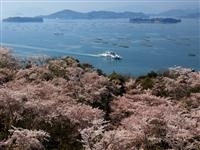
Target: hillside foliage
[(65, 105)]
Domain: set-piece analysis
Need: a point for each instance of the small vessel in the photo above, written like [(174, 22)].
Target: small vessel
[(58, 33), (191, 54), (111, 54)]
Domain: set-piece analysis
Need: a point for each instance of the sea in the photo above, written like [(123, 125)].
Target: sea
[(143, 47)]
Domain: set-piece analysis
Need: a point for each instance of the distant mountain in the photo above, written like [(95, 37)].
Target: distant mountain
[(69, 14), (65, 14), (190, 13)]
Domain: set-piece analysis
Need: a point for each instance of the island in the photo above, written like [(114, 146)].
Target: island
[(70, 14), (23, 19), (154, 20)]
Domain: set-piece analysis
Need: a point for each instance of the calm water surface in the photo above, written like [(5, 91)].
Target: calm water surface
[(144, 47)]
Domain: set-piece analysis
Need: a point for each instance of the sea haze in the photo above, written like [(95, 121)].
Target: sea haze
[(144, 47)]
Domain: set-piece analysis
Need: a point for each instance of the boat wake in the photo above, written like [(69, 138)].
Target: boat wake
[(42, 49)]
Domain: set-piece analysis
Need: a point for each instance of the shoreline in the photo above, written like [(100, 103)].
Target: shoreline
[(77, 55)]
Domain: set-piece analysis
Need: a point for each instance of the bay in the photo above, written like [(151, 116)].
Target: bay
[(144, 47)]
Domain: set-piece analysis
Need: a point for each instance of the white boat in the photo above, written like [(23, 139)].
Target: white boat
[(111, 54)]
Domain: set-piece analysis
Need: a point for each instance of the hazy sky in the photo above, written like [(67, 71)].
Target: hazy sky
[(42, 7)]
